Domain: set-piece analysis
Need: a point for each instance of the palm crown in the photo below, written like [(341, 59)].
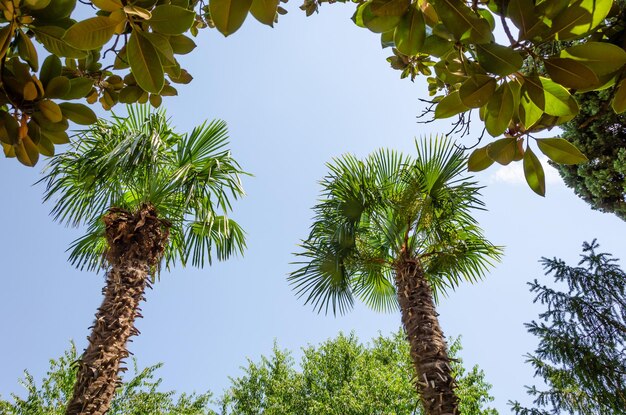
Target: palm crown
[(130, 162), (385, 208)]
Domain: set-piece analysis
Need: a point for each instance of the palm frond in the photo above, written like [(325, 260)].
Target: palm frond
[(139, 159), (323, 278), (87, 252)]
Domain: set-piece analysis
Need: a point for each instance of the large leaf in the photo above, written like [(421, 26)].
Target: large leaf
[(498, 59), (571, 73), (450, 105), (380, 22), (410, 32), (78, 113), (602, 58), (505, 150), (479, 160), (561, 151), (27, 51), (522, 13), (90, 34), (555, 98), (145, 63), (51, 37), (171, 20), (533, 172), (182, 45), (529, 113), (229, 15), (26, 151), (264, 11), (461, 21), (580, 18), (500, 110), (477, 90)]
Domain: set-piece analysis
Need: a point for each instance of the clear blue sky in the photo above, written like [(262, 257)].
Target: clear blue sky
[(294, 97)]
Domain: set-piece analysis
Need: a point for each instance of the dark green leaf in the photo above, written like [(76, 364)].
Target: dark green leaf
[(561, 151), (533, 171), (229, 15)]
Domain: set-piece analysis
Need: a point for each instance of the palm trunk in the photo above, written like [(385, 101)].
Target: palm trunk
[(135, 246), (429, 351)]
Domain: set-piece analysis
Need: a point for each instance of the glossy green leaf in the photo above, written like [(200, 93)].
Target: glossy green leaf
[(26, 151), (51, 110), (172, 20), (533, 172), (182, 45), (477, 90), (145, 63), (619, 98), (561, 151), (529, 113), (410, 32), (571, 73), (92, 33), (580, 18), (389, 7), (45, 146), (601, 57), (461, 21), (27, 51), (522, 13), (436, 46), (450, 106), (504, 150), (163, 47), (50, 68), (58, 87), (79, 88), (365, 17), (51, 37), (559, 101), (229, 15), (500, 110), (264, 11), (498, 59), (130, 94), (78, 113), (479, 160), (55, 11)]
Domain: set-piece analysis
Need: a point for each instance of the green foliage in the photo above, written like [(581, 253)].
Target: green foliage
[(340, 376), (344, 377), (138, 395), (126, 52), (374, 212), (582, 338), (519, 86), (601, 135), (137, 160)]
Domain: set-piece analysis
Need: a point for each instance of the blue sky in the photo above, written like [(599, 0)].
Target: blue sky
[(294, 97)]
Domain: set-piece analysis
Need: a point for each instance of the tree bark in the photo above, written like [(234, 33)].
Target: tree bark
[(136, 243), (429, 351)]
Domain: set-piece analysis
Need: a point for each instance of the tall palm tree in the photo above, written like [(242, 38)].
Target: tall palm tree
[(148, 195), (392, 232)]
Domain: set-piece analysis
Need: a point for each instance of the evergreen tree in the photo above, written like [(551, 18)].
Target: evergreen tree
[(581, 355), (601, 135)]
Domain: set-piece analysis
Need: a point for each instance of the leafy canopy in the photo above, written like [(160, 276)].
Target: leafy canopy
[(341, 376), (131, 161), (127, 52), (582, 338), (388, 206), (139, 393)]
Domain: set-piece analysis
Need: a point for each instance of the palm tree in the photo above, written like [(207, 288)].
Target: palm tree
[(392, 232), (148, 195)]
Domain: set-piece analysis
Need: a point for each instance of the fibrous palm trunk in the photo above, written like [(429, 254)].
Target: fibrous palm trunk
[(429, 351), (135, 246)]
